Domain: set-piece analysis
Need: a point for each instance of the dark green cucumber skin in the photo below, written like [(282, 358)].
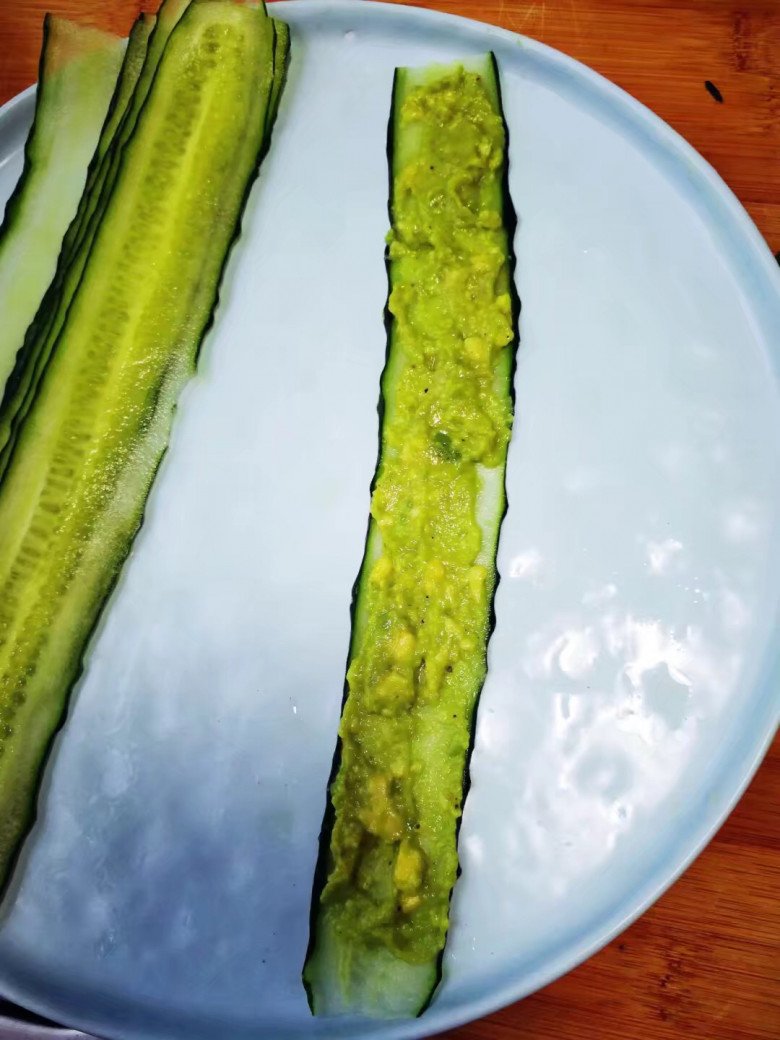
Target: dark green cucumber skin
[(30, 364), (509, 215), (281, 66), (9, 877)]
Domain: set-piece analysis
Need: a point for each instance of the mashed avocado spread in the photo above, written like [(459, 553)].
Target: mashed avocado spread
[(424, 598)]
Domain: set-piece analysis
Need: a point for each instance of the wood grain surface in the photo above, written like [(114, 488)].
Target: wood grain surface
[(704, 962)]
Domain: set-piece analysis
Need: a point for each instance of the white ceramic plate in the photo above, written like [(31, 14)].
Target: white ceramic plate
[(634, 677)]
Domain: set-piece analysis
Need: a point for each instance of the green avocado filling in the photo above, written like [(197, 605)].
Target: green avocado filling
[(423, 608)]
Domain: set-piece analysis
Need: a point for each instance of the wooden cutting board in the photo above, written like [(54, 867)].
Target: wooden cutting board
[(704, 962)]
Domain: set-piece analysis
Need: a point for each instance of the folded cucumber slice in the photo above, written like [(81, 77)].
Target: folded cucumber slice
[(78, 70), (423, 602), (74, 491)]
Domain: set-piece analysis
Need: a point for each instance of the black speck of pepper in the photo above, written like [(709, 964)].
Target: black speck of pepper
[(712, 90)]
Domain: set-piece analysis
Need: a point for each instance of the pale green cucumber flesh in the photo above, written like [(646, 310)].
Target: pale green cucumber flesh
[(78, 70), (135, 56), (146, 49), (74, 492), (43, 331)]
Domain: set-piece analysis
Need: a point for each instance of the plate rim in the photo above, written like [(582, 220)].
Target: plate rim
[(729, 216)]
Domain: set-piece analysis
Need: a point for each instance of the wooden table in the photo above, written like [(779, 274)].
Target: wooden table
[(704, 962)]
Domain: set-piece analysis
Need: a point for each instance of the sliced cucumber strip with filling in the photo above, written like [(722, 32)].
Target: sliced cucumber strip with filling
[(78, 70), (422, 608), (74, 492)]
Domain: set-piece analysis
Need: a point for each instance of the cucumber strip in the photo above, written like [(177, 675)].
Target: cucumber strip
[(281, 61), (74, 493), (42, 332), (34, 356), (135, 56), (78, 70), (423, 603)]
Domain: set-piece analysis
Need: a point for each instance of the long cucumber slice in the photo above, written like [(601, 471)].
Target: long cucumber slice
[(422, 606), (43, 330), (74, 492), (145, 50), (133, 63), (78, 70), (281, 60)]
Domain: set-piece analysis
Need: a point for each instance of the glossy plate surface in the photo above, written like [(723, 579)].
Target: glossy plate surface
[(634, 675)]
